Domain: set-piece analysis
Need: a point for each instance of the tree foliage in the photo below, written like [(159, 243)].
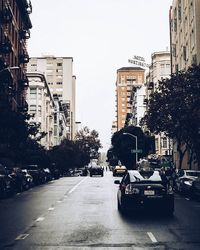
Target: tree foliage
[(88, 142), (123, 143), (18, 138), (175, 109)]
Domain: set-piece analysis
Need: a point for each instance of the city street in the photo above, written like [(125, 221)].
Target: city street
[(81, 213)]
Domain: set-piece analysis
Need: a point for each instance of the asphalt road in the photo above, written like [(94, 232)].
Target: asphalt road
[(81, 213)]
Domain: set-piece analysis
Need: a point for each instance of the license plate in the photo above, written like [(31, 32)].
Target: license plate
[(149, 192)]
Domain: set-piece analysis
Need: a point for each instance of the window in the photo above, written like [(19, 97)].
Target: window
[(39, 94), (164, 142), (184, 53), (59, 64), (33, 93), (39, 110), (59, 83), (49, 70), (32, 109), (58, 70)]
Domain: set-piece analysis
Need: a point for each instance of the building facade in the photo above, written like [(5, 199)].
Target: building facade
[(15, 28), (60, 123), (185, 33), (61, 81), (41, 107), (160, 68), (185, 46), (129, 79)]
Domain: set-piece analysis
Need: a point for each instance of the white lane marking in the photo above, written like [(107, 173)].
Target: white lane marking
[(152, 237), (40, 219), (187, 199), (59, 201), (22, 236), (51, 208), (18, 193), (77, 185)]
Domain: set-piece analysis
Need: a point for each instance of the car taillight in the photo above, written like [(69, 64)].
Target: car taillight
[(131, 190)]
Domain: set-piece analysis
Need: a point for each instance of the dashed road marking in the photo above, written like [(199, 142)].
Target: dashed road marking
[(188, 199), (59, 201), (51, 208), (70, 191), (39, 219), (22, 236), (152, 237)]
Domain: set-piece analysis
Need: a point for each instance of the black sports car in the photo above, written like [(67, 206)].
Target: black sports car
[(145, 189)]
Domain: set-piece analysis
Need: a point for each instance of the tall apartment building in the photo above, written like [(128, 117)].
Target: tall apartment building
[(59, 74), (128, 80), (41, 107), (185, 42), (15, 28), (185, 33), (159, 69)]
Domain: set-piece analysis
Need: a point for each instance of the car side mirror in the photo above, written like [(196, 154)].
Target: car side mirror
[(117, 182)]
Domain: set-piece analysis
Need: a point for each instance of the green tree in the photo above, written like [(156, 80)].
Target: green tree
[(123, 144), (175, 109), (18, 138), (88, 142)]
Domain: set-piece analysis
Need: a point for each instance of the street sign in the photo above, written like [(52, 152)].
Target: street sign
[(139, 151)]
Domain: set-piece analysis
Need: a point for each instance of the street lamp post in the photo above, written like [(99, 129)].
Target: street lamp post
[(136, 145)]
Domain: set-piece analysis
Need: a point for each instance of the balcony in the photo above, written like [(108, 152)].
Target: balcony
[(6, 15), (24, 34), (6, 46), (24, 58)]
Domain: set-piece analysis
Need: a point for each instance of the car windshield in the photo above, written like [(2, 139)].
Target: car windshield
[(193, 173), (138, 176)]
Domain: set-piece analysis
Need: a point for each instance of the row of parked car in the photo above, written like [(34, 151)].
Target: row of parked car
[(15, 179), (184, 181)]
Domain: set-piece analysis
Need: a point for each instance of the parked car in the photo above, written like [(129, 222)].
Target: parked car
[(6, 182), (96, 170), (34, 170), (55, 172), (195, 189), (48, 174), (119, 170), (184, 180), (29, 179), (19, 179), (144, 189)]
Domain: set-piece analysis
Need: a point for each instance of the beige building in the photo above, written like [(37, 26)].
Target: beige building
[(159, 69), (185, 44), (185, 33), (41, 107), (128, 80), (61, 81)]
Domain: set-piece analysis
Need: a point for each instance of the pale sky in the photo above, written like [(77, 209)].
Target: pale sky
[(100, 35)]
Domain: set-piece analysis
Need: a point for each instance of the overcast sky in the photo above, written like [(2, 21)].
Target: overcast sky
[(101, 35)]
